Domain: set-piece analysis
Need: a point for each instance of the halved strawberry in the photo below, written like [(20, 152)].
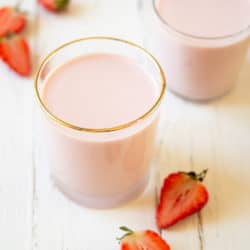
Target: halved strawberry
[(14, 50), (11, 21), (182, 194), (54, 5), (147, 239)]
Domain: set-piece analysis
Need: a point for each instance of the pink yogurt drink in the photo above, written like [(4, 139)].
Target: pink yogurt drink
[(101, 98), (201, 44)]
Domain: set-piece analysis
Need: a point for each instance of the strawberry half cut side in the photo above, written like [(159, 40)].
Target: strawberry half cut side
[(182, 195), (15, 52), (147, 239)]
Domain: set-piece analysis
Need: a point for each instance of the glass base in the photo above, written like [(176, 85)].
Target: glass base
[(102, 202), (201, 99)]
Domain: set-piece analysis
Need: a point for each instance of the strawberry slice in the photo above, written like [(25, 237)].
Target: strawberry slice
[(147, 239), (14, 50), (11, 21), (182, 194), (54, 5)]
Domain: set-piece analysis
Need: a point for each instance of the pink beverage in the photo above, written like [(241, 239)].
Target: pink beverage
[(201, 44), (105, 109)]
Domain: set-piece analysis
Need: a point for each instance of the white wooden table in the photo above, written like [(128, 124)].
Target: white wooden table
[(35, 216)]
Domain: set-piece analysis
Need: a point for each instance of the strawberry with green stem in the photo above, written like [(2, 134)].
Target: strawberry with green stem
[(54, 5), (182, 195), (12, 20), (147, 239)]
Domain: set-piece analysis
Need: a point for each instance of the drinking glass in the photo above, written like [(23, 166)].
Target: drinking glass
[(197, 67), (99, 167)]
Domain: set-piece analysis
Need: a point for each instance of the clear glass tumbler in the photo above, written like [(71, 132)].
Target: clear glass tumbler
[(99, 167), (198, 67)]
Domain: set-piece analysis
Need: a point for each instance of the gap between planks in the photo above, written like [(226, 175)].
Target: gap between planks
[(34, 198), (200, 230)]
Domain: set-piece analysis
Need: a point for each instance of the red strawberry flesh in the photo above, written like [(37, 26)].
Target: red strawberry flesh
[(148, 239), (11, 21), (15, 52), (181, 196)]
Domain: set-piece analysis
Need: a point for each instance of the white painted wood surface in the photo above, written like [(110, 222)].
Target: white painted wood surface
[(33, 215)]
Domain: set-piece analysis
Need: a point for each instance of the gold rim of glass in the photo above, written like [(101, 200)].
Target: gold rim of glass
[(240, 32), (100, 130)]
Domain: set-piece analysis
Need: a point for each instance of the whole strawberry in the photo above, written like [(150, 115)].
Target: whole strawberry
[(182, 194), (54, 5), (148, 240), (14, 51), (12, 20)]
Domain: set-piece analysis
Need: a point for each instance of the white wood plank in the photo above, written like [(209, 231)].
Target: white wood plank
[(215, 135), (175, 153), (89, 18), (227, 219), (15, 153)]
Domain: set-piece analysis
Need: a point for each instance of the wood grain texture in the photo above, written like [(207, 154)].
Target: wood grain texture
[(16, 152), (216, 135)]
